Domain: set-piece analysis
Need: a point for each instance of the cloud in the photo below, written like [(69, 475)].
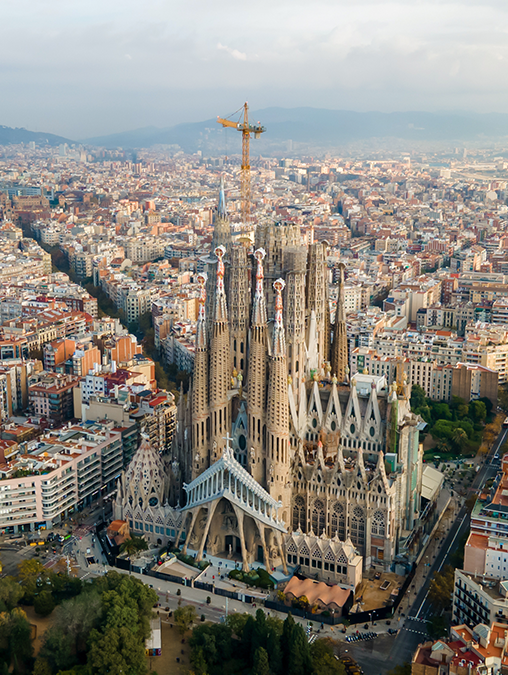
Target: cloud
[(363, 55), (239, 56)]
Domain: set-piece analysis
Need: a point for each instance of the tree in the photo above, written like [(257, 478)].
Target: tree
[(478, 410), (441, 588), (117, 651), (299, 662), (437, 627), (57, 649), (287, 629), (441, 411), (184, 617), (198, 661), (31, 574), (459, 407), (237, 623), (10, 593), (41, 667), (77, 617), (323, 658), (502, 397), (442, 429), (248, 636), (15, 638), (133, 545), (44, 603), (418, 397), (459, 439), (260, 632), (261, 665), (274, 652), (405, 669)]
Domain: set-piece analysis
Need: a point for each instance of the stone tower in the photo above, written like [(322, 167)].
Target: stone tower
[(239, 305), (274, 238), (277, 412), (221, 237), (339, 351), (294, 313), (256, 383), (317, 298), (220, 371), (199, 390)]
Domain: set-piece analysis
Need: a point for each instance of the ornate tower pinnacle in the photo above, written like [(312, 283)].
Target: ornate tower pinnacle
[(201, 327), (259, 309), (277, 412), (221, 312), (199, 392), (220, 371), (256, 386), (339, 343), (279, 340)]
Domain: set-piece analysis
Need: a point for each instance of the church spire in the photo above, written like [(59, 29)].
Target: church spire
[(339, 343), (277, 412), (256, 384), (221, 226), (279, 340), (221, 209), (221, 312), (201, 323), (259, 308), (219, 368)]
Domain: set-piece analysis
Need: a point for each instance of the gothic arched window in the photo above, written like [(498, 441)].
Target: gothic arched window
[(299, 519), (318, 517), (358, 527), (378, 524), (338, 521)]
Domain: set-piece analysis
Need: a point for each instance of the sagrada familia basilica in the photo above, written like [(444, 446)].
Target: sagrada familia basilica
[(281, 456)]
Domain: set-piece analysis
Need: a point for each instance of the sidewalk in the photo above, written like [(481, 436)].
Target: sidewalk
[(214, 611), (429, 554)]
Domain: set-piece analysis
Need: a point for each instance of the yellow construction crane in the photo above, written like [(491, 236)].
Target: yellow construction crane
[(246, 129)]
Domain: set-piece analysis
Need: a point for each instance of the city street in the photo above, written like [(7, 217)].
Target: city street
[(381, 655)]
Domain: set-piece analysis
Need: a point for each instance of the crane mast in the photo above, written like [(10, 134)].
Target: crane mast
[(247, 129)]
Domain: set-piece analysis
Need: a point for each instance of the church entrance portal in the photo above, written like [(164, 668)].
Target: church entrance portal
[(233, 545)]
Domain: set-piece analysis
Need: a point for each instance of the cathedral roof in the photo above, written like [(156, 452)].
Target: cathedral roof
[(145, 477), (216, 484)]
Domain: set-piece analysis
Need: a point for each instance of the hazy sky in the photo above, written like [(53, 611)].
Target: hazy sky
[(81, 68)]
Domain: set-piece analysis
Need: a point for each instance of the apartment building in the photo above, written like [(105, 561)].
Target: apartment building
[(481, 649), (51, 396), (59, 473), (434, 379), (479, 598), (470, 382)]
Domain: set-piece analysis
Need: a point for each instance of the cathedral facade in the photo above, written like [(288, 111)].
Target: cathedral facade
[(336, 456)]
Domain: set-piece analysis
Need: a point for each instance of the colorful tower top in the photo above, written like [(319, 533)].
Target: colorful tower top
[(279, 341), (259, 309), (201, 327), (221, 312)]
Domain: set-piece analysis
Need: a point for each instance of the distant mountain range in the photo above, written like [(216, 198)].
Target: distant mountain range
[(307, 128), (317, 127), (9, 135)]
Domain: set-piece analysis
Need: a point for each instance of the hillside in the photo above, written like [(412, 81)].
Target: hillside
[(321, 128), (9, 136)]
